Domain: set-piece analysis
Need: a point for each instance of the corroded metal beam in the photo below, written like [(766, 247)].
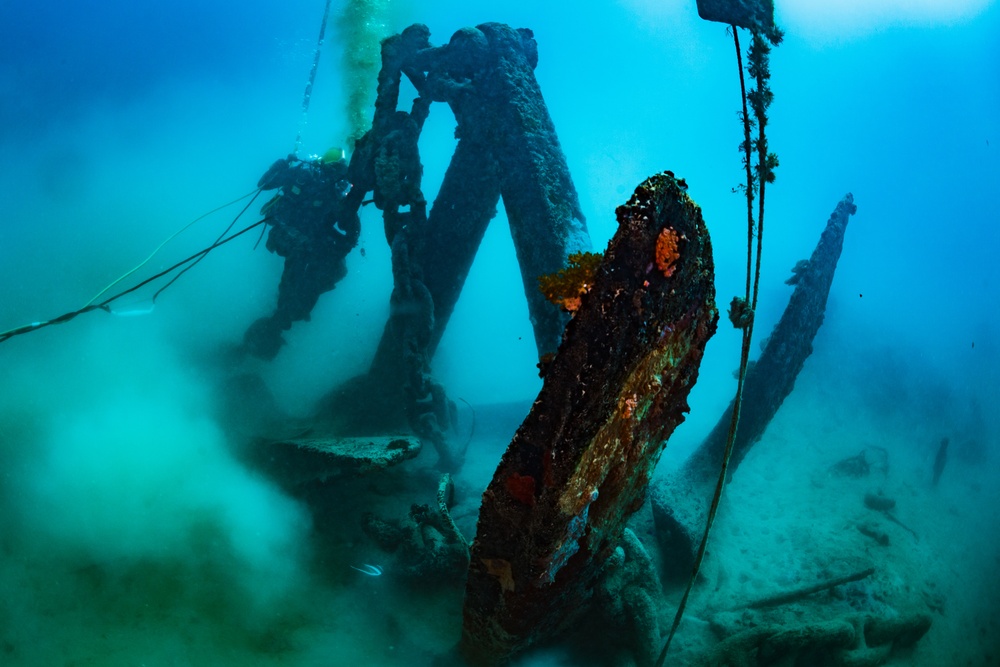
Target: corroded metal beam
[(680, 501), (579, 465)]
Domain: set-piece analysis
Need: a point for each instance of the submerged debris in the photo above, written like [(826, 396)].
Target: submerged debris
[(681, 499), (579, 464)]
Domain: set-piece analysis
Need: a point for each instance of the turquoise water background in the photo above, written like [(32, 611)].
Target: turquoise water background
[(130, 535)]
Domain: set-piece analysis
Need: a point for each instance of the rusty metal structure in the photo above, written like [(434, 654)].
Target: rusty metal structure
[(579, 465), (507, 149), (680, 500)]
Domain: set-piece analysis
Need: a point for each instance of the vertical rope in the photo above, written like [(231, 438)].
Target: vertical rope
[(747, 148), (307, 95), (754, 278), (761, 73)]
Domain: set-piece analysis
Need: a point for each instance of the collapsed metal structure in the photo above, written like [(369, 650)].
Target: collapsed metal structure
[(507, 148), (617, 387), (680, 500), (579, 464), (578, 467)]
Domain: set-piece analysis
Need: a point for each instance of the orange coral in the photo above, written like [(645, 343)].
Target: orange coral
[(666, 251), (566, 287)]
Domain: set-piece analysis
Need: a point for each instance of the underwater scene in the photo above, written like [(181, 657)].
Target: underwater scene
[(618, 333)]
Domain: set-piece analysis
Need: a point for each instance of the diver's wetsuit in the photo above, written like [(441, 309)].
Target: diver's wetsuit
[(313, 232)]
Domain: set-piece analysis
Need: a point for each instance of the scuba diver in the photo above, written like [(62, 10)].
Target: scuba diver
[(312, 229)]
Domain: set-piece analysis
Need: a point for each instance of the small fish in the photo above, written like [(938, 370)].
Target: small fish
[(370, 570)]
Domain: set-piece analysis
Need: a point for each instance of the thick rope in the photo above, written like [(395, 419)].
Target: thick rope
[(754, 278), (747, 151)]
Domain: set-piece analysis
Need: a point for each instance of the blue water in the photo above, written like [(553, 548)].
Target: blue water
[(130, 534)]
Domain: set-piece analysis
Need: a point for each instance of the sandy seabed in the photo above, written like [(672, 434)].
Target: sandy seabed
[(788, 520)]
